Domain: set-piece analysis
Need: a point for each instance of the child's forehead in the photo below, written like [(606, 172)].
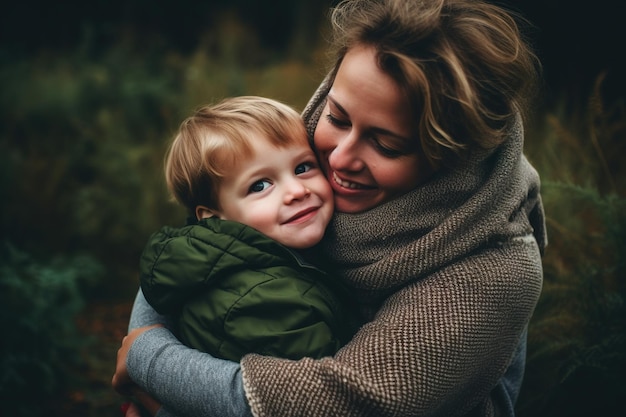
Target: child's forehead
[(282, 140), (264, 151)]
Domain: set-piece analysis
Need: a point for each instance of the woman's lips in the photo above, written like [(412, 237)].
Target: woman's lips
[(349, 184)]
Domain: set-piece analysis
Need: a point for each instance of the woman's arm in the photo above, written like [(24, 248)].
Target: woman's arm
[(184, 380), (144, 315)]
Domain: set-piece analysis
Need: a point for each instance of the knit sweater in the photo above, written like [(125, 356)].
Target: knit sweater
[(448, 275)]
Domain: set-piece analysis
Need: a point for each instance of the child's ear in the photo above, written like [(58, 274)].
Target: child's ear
[(203, 212)]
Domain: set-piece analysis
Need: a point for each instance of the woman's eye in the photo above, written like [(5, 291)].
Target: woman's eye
[(259, 186), (336, 122), (386, 151)]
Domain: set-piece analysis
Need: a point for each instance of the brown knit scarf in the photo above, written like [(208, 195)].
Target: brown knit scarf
[(492, 197)]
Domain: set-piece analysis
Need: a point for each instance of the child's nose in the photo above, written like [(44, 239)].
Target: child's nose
[(296, 190)]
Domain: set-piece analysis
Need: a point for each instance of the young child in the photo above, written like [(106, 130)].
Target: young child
[(231, 279)]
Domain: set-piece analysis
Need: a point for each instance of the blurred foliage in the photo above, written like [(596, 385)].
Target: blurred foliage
[(82, 137), (38, 352), (577, 337), (278, 25)]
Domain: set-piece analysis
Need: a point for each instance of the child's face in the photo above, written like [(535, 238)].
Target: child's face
[(281, 192)]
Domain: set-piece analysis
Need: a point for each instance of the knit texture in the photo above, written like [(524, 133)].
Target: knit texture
[(447, 275)]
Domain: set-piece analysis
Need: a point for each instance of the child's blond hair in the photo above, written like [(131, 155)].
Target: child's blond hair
[(216, 137)]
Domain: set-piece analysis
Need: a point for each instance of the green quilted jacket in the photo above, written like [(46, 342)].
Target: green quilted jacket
[(232, 290)]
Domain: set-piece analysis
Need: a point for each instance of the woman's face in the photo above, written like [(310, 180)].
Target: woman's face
[(366, 137)]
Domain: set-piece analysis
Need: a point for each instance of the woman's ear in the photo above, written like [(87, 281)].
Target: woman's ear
[(203, 212)]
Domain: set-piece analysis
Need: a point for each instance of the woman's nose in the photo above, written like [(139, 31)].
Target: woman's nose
[(346, 155)]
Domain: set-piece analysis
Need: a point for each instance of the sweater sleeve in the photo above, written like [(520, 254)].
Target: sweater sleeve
[(186, 381)]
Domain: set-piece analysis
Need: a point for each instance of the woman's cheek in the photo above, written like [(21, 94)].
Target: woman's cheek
[(322, 138)]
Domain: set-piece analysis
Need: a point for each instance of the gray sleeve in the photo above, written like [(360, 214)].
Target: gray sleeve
[(143, 314), (186, 381), (163, 413)]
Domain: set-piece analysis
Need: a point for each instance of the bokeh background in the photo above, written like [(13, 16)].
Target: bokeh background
[(90, 93)]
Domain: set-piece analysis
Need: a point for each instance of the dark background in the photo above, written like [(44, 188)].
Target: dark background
[(90, 92), (575, 40)]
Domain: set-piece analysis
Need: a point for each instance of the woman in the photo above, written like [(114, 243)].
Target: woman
[(439, 230)]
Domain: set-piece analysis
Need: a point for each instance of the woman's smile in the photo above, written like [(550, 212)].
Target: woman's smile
[(348, 184), (367, 139)]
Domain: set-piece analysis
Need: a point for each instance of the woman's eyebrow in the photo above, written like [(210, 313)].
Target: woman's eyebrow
[(336, 104), (375, 129)]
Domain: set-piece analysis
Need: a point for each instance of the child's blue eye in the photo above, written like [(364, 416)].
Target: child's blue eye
[(259, 186), (302, 168)]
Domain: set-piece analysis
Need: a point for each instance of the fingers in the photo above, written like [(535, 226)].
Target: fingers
[(121, 381), (130, 410), (133, 411)]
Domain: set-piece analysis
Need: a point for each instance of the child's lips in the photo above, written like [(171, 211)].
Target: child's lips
[(302, 215)]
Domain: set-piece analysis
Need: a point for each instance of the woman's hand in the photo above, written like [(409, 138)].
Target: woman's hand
[(121, 380), (131, 409)]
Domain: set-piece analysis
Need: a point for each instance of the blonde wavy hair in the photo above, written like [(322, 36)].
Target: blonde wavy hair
[(216, 137), (464, 65)]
